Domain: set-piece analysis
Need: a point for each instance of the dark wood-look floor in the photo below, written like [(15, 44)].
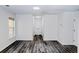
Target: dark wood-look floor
[(39, 47)]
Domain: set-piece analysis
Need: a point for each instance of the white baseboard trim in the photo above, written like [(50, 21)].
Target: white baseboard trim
[(63, 43), (32, 39), (5, 44), (49, 39), (24, 39)]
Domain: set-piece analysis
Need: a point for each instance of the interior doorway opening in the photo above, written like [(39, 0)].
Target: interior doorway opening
[(37, 28)]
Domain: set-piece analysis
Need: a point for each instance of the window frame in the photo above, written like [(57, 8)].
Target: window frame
[(11, 26)]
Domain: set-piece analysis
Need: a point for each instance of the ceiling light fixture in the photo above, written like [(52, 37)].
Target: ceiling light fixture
[(36, 8)]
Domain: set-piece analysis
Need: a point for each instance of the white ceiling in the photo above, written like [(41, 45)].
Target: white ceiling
[(48, 9)]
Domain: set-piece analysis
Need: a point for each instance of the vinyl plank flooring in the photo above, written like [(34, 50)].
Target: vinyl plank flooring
[(39, 47), (13, 47)]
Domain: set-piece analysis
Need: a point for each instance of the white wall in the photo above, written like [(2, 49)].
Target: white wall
[(4, 41), (66, 35), (60, 28), (56, 27), (76, 24), (77, 27), (50, 27), (78, 36), (66, 28), (24, 27)]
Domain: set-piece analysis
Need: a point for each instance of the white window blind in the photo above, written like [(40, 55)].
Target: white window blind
[(11, 23)]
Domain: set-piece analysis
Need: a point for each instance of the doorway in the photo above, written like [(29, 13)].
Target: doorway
[(37, 25)]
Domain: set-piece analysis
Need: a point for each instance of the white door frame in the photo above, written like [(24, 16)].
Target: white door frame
[(38, 25)]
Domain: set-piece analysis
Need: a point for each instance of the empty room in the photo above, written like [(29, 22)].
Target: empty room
[(39, 28)]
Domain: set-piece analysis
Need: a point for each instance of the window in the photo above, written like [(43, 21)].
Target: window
[(11, 23), (37, 25)]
